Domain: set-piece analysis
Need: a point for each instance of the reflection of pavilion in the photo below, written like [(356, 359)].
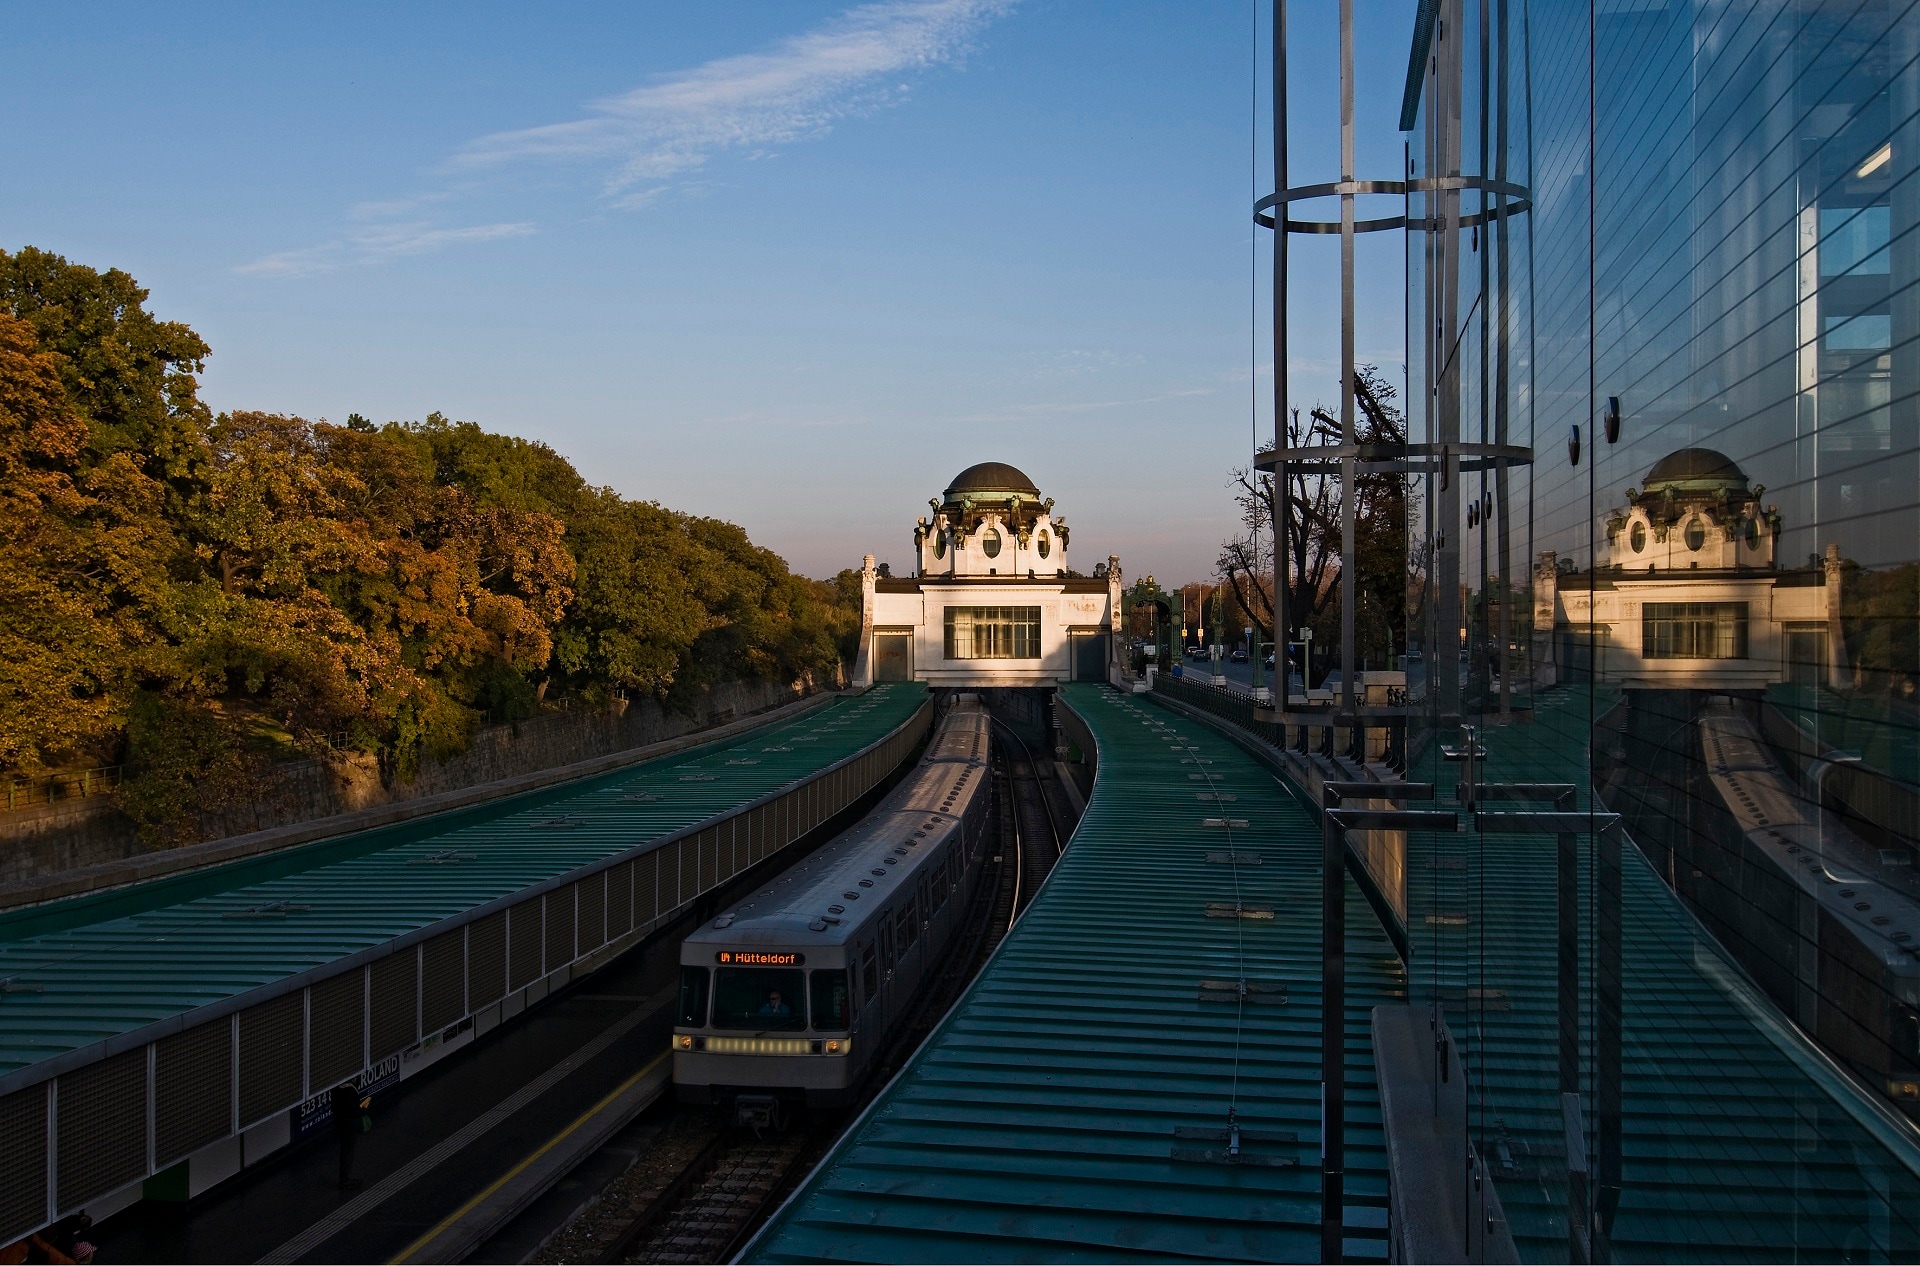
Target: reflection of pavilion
[(1691, 594)]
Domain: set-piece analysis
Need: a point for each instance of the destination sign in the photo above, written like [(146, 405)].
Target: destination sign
[(760, 958)]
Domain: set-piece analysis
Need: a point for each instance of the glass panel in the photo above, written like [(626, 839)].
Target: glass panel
[(1709, 626), (759, 998), (693, 997), (831, 1011)]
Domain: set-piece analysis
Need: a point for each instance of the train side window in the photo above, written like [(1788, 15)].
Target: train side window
[(869, 971), (693, 997), (886, 946), (909, 926), (831, 1012)]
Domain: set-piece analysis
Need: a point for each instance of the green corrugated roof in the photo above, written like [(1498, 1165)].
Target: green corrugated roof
[(90, 970), (1739, 1142), (1037, 1122)]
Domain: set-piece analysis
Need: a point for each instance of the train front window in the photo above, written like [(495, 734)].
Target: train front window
[(830, 1000), (759, 998), (693, 997)]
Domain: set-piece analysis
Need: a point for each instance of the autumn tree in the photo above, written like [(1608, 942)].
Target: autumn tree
[(195, 596)]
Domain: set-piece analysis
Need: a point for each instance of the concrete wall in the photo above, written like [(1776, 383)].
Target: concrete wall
[(38, 842)]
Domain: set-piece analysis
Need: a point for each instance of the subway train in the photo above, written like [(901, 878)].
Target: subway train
[(791, 994), (1820, 918)]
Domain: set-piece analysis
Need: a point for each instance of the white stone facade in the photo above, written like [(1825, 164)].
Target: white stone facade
[(992, 601)]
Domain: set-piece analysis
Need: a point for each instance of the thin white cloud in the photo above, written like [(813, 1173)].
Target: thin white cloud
[(393, 241), (301, 263), (387, 241), (652, 138), (746, 103)]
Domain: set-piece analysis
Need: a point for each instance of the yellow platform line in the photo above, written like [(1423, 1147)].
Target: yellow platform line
[(413, 1250)]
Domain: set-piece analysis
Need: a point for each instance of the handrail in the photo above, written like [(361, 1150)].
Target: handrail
[(31, 793)]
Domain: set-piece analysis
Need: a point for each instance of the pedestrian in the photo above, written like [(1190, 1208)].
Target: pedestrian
[(350, 1121)]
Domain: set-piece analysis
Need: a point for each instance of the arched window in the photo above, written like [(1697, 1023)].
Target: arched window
[(1044, 545), (991, 543), (1638, 537), (1696, 533)]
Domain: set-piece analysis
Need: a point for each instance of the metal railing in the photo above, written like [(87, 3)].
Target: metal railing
[(33, 793), (1221, 702)]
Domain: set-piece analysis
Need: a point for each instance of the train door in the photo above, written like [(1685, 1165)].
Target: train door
[(868, 974)]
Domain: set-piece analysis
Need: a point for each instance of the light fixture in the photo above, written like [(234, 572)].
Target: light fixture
[(1875, 161)]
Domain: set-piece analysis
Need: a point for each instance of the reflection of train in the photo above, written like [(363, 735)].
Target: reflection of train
[(1808, 907), (792, 993)]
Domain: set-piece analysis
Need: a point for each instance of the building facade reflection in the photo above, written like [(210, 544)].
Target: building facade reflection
[(1689, 593), (1694, 1032)]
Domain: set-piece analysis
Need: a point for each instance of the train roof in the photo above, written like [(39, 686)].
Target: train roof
[(1807, 843), (787, 910)]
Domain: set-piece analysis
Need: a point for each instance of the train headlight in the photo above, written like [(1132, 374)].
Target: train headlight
[(683, 1042), (839, 1045)]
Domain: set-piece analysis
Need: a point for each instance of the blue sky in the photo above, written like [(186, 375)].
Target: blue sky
[(789, 264)]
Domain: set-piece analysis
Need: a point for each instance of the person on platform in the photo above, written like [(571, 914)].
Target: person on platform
[(350, 1121)]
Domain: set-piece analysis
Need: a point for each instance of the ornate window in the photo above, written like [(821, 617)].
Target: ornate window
[(1638, 537), (991, 543), (1044, 545), (1693, 630), (1696, 533), (993, 633)]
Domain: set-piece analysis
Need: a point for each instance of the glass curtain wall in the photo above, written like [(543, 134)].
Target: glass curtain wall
[(1670, 245)]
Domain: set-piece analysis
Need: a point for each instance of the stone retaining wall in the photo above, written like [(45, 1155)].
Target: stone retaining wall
[(77, 833)]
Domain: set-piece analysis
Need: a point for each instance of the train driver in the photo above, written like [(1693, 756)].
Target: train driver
[(775, 1007)]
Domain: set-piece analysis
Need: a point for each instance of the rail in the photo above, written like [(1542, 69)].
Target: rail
[(81, 784)]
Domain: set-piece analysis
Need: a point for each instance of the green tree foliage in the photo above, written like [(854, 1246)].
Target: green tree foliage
[(193, 594)]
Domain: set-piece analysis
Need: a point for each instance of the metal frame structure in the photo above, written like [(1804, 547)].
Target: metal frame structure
[(1500, 199), (1447, 455)]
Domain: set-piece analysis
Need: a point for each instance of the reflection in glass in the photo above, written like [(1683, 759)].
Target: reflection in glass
[(1710, 628)]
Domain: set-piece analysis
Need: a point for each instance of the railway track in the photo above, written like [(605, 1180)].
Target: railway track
[(706, 1185), (1037, 838)]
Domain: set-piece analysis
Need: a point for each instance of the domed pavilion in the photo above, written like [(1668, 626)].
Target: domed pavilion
[(992, 598), (1690, 593)]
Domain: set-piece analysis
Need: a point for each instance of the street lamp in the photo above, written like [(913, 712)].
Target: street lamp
[(1306, 661), (1260, 692)]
